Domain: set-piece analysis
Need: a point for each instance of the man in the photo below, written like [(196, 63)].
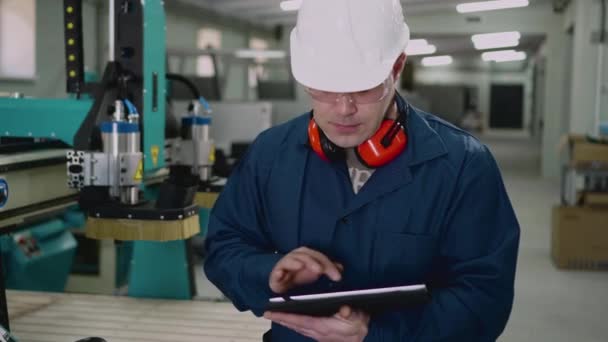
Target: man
[(364, 192)]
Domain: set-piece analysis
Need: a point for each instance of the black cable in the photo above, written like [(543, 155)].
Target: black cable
[(3, 309), (187, 82)]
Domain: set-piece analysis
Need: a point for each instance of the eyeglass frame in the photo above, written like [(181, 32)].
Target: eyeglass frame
[(351, 99)]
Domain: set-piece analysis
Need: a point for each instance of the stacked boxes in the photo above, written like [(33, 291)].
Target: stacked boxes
[(580, 224)]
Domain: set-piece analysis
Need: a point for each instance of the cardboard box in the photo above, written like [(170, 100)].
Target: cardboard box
[(591, 199), (580, 238), (583, 153), (596, 199)]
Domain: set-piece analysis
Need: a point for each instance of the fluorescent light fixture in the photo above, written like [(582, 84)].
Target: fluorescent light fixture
[(496, 40), (420, 47), (418, 42), (291, 5), (503, 56), (437, 61), (496, 45), (420, 50), (484, 37), (265, 54), (490, 5)]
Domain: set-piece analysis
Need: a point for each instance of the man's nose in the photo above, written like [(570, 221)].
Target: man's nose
[(346, 105)]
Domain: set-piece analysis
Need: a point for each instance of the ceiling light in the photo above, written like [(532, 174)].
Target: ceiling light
[(437, 61), (420, 50), (490, 5), (496, 45), (496, 40), (291, 5), (503, 56), (267, 54), (511, 35), (420, 47), (418, 42)]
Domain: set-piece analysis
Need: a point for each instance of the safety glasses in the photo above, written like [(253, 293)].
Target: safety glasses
[(368, 96)]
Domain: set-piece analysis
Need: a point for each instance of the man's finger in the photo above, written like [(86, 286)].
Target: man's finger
[(280, 274), (294, 319), (300, 330), (283, 267), (329, 268), (283, 284), (290, 264), (309, 262), (345, 312), (315, 326)]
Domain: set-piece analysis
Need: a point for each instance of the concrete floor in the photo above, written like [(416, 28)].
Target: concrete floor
[(550, 304)]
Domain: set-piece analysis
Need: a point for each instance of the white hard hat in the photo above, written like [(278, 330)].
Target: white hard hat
[(347, 45)]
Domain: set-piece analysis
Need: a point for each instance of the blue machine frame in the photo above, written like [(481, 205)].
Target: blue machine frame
[(42, 118), (157, 266)]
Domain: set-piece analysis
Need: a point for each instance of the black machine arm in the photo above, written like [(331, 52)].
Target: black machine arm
[(191, 86)]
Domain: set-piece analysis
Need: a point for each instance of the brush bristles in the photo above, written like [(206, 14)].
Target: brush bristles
[(206, 200), (146, 230)]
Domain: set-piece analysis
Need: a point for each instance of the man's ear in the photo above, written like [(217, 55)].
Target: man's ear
[(399, 65)]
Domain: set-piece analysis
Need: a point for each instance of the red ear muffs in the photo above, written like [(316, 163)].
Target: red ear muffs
[(314, 138), (384, 146), (319, 142)]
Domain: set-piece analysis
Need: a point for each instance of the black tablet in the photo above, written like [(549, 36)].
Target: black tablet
[(372, 301)]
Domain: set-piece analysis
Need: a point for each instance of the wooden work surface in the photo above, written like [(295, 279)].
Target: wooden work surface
[(68, 317)]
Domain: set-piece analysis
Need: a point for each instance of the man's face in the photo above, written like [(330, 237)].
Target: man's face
[(348, 123)]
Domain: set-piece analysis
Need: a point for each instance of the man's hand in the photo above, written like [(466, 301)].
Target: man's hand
[(300, 267), (346, 326)]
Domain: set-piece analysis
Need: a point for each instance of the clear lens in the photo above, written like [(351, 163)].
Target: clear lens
[(372, 95)]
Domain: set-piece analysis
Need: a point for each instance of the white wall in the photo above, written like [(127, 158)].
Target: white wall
[(49, 79), (18, 25), (554, 102), (584, 64), (586, 21)]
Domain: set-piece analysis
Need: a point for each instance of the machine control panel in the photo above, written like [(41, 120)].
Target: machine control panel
[(27, 244)]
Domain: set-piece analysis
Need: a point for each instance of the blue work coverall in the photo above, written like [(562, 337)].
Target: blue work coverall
[(438, 214)]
